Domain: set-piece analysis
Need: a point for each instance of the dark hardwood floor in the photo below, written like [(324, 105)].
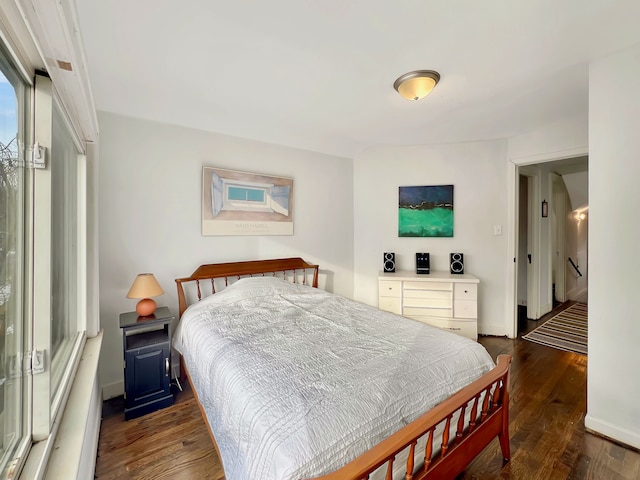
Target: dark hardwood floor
[(548, 438)]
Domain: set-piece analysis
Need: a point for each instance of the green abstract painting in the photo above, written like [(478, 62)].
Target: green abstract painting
[(425, 211)]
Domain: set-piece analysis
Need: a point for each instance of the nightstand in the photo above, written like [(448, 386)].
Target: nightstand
[(146, 343)]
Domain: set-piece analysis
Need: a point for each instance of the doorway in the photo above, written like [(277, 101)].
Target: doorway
[(551, 237)]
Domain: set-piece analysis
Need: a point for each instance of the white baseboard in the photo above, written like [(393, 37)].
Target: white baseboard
[(495, 330), (575, 293), (112, 390), (614, 432), (544, 309)]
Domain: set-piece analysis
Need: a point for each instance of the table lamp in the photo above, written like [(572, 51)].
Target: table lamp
[(145, 286)]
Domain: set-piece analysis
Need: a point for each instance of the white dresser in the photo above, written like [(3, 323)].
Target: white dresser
[(438, 298)]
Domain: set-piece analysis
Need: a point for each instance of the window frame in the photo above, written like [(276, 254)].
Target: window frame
[(35, 35), (47, 403), (13, 460)]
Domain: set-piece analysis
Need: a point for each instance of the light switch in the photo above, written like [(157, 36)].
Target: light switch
[(497, 229)]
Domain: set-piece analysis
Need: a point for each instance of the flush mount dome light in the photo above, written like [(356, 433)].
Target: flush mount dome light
[(416, 85)]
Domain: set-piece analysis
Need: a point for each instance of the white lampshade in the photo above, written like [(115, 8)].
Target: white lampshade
[(416, 85), (145, 286)]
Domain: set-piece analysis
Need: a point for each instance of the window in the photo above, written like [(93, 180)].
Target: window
[(246, 194), (65, 285), (58, 232), (42, 262), (228, 194), (13, 103), (44, 306)]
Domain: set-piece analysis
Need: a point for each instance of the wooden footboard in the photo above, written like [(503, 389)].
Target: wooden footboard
[(488, 399)]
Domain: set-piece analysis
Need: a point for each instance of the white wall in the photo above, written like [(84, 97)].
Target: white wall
[(149, 216), (562, 139), (478, 172), (576, 247), (614, 232), (578, 187)]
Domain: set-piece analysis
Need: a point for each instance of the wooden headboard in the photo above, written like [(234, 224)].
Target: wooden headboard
[(236, 270)]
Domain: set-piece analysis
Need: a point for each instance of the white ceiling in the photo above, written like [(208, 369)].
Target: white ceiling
[(319, 75)]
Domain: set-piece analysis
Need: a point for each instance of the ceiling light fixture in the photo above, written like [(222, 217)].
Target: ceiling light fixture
[(416, 85)]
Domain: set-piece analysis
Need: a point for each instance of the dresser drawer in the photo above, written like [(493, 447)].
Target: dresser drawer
[(411, 285), (466, 291), (430, 294), (390, 304), (390, 288), (465, 309), (465, 328), (426, 312), (427, 302)]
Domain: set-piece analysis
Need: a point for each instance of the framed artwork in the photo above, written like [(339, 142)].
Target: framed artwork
[(425, 211), (243, 203)]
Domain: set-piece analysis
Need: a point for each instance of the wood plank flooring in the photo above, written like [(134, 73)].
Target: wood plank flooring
[(172, 443), (548, 438)]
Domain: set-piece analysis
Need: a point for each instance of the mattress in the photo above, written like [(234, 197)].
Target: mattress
[(295, 382)]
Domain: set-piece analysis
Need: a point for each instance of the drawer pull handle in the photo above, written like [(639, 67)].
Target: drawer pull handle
[(166, 367), (454, 328)]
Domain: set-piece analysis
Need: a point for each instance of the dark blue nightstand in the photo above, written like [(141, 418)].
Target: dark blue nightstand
[(147, 362)]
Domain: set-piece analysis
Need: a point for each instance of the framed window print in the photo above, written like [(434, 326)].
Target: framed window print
[(243, 203)]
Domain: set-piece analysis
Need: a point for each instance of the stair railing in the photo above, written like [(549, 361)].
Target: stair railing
[(575, 267)]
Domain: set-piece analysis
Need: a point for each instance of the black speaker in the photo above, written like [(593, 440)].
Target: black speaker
[(389, 262), (422, 263), (456, 263)]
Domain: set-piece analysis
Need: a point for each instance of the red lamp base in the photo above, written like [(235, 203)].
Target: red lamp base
[(146, 307)]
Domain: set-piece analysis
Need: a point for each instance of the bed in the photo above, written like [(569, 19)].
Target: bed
[(294, 382)]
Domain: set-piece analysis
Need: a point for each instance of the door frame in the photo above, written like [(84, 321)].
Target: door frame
[(533, 243), (513, 175), (559, 214)]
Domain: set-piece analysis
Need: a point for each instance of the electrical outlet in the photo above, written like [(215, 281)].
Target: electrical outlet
[(497, 229)]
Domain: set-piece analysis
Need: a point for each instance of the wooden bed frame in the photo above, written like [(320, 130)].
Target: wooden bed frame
[(486, 399)]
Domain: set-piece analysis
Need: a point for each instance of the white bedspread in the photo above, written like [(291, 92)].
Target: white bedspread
[(296, 381)]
